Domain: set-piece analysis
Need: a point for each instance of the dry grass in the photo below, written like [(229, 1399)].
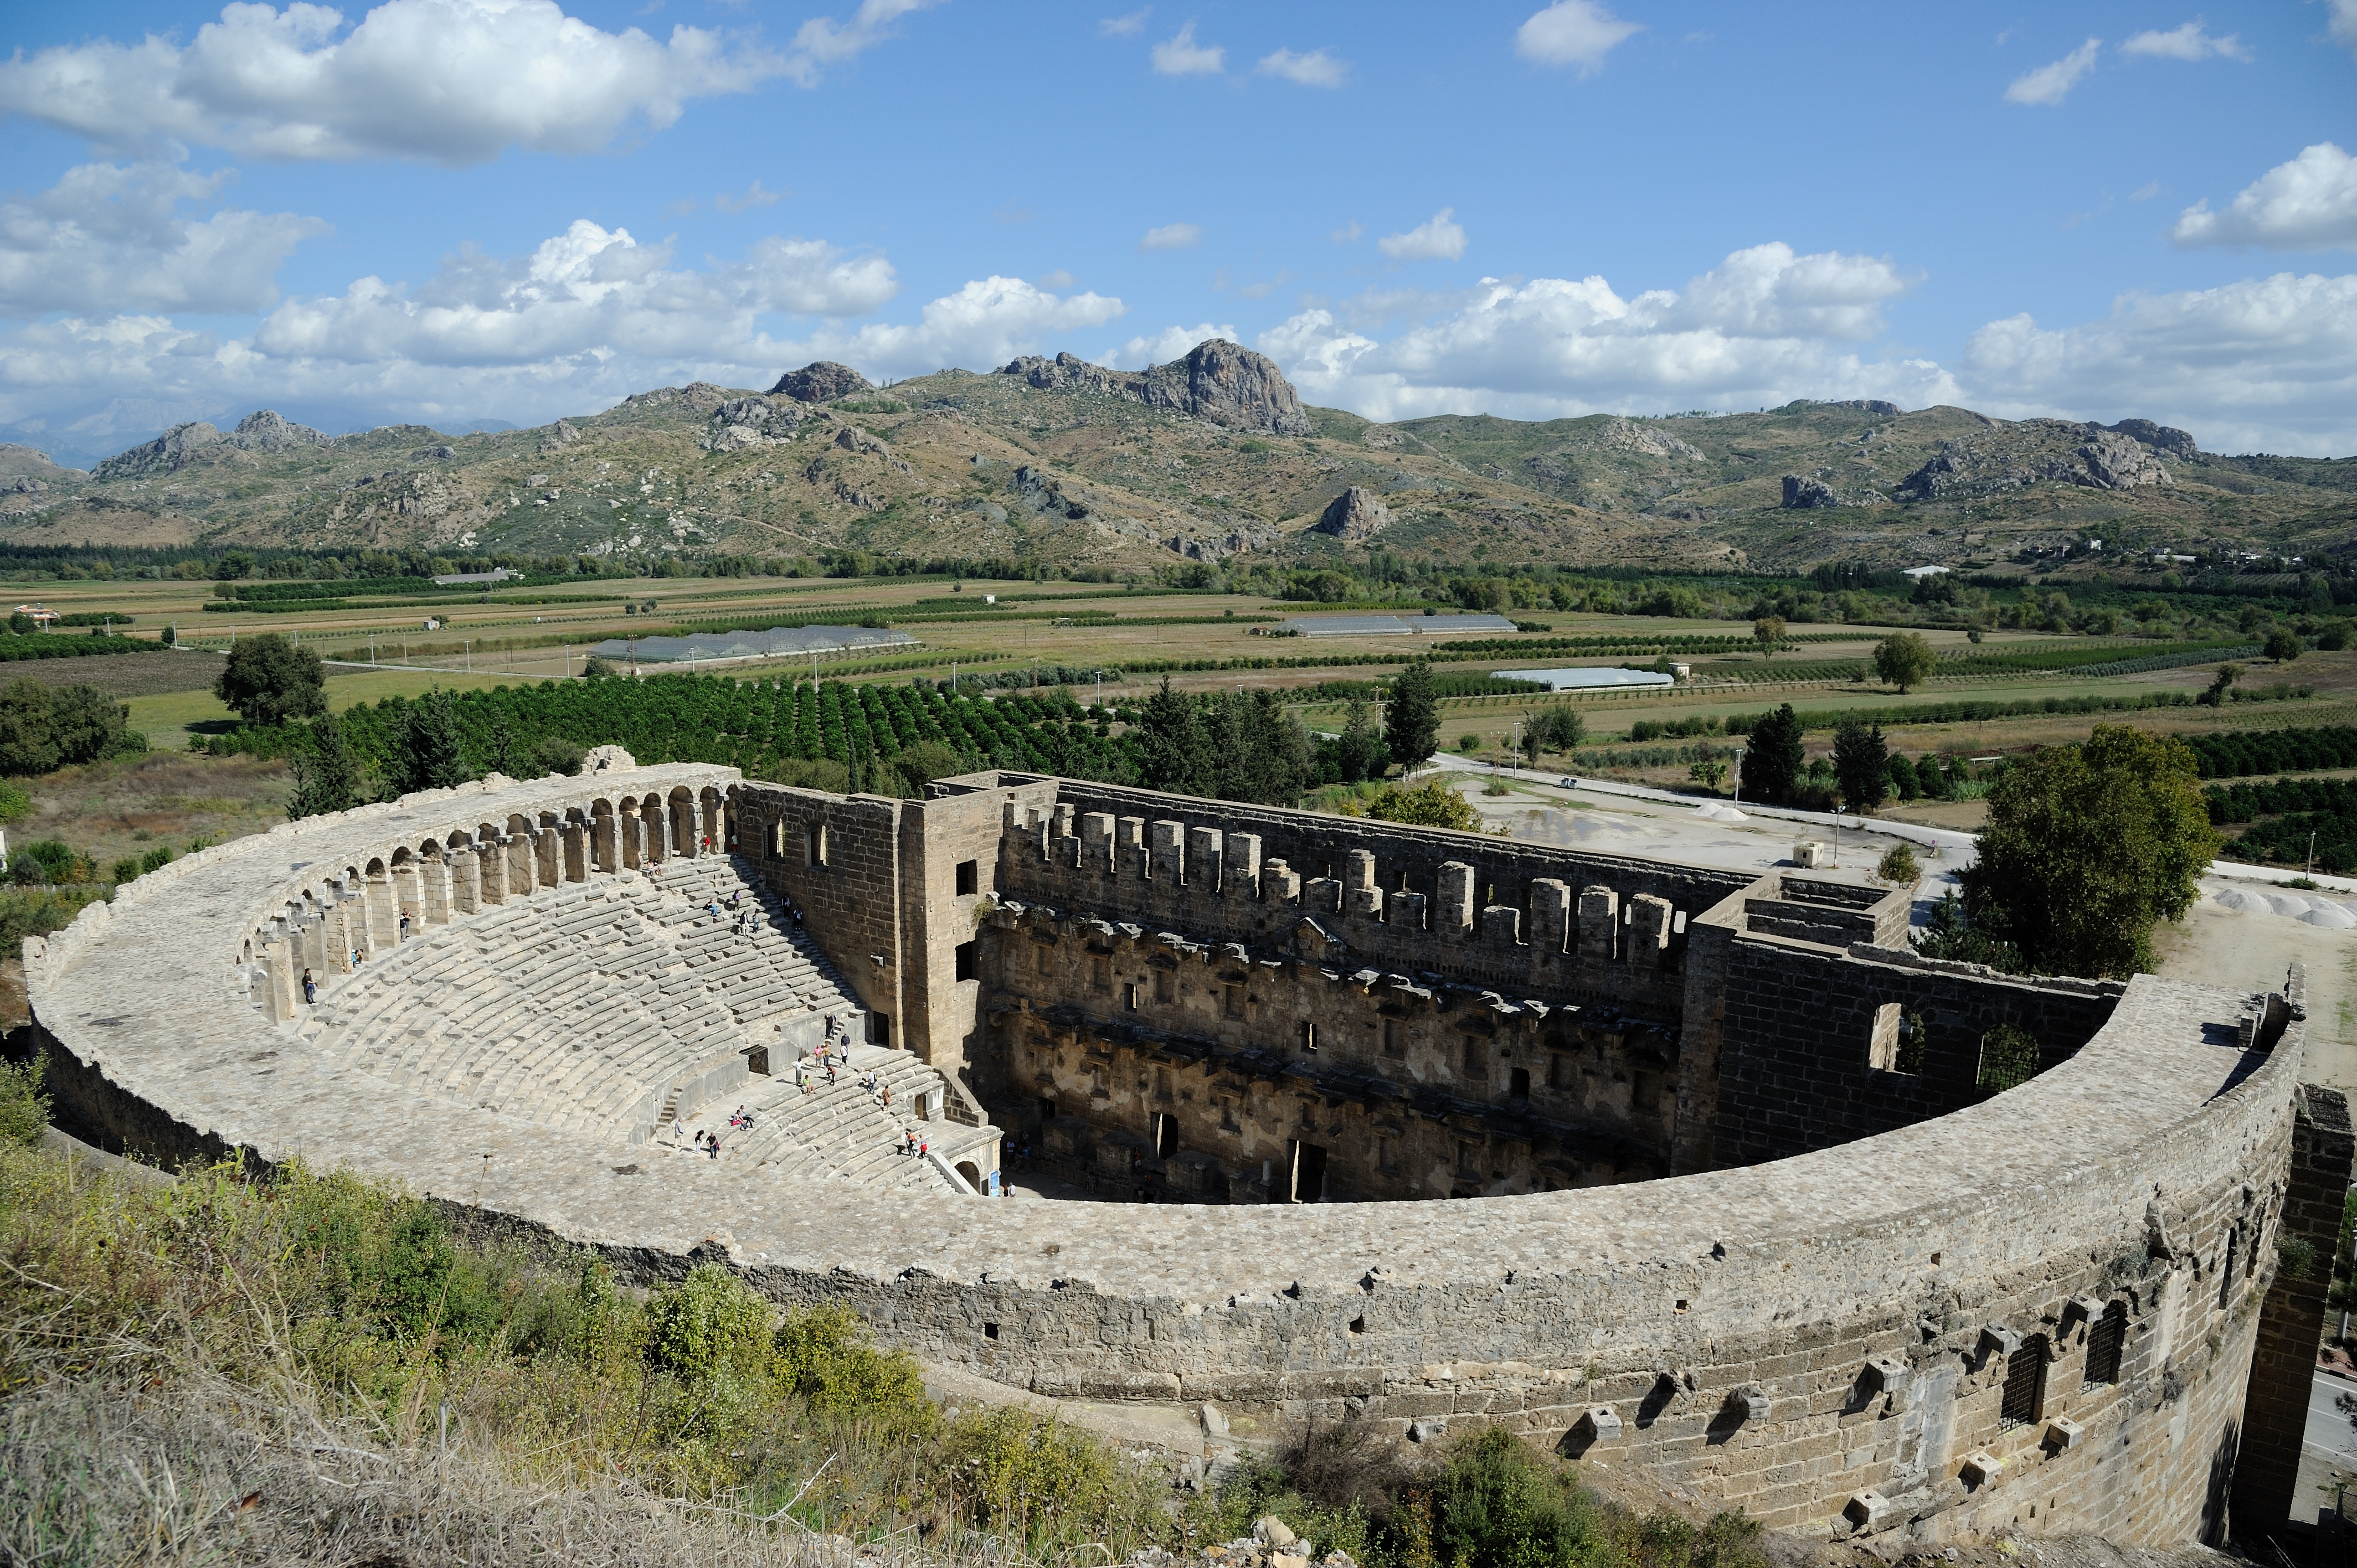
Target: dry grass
[(108, 810)]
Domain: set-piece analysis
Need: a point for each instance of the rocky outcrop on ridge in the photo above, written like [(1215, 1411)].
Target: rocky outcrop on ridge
[(2123, 456), (1217, 381), (265, 430), (1356, 514), (821, 381), (1802, 493), (1624, 436), (751, 422)]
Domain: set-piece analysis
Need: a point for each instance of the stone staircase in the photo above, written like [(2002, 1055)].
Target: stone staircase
[(840, 1130)]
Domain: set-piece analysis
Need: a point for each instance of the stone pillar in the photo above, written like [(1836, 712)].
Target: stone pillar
[(405, 900), (1203, 847), (679, 829), (1550, 914), (335, 933), (2283, 1362), (575, 836), (1279, 884), (1096, 842), (491, 870), (1360, 894), (1063, 821), (1240, 876), (523, 863), (433, 890), (466, 884), (1407, 911), (1599, 922), (1129, 848), (1649, 929), (1170, 852), (384, 913), (1321, 895), (314, 928), (1502, 923), (285, 972), (604, 844), (626, 829), (547, 845), (1452, 907)]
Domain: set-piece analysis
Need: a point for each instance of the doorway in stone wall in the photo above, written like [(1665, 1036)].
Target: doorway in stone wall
[(1308, 1183), (1166, 1134)]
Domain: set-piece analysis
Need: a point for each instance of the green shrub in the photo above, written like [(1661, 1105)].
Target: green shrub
[(1898, 867), (1469, 743), (1032, 1479), (125, 869), (15, 801), (24, 1108), (709, 1325), (823, 1356), (2008, 1058)]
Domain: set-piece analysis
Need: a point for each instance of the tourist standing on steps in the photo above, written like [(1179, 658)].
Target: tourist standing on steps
[(310, 987)]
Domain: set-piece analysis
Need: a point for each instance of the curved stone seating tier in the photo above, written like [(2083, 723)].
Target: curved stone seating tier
[(596, 1007), (839, 1130)]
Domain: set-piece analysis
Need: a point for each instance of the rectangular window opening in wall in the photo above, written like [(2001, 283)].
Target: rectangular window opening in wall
[(1100, 974), (1521, 1088), (1882, 1044), (778, 839), (990, 1331), (1166, 1134), (1133, 996), (2024, 1385), (965, 969), (1477, 1058), (1232, 1001), (969, 877), (1559, 1070), (2108, 1336), (1308, 1038), (1393, 1047), (1165, 985), (814, 844), (1043, 956)]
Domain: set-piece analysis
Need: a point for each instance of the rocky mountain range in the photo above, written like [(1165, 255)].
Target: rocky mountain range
[(1210, 456)]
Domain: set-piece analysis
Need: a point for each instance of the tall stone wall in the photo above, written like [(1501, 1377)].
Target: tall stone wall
[(1813, 1040)]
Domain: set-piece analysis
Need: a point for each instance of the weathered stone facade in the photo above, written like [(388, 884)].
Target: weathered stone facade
[(1872, 1296)]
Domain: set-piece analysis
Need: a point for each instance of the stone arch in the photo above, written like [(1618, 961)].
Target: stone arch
[(681, 819), (400, 855), (711, 819), (971, 1173), (519, 823)]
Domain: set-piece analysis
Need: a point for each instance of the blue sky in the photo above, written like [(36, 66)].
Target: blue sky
[(452, 209)]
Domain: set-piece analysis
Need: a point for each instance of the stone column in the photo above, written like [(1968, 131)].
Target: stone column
[(433, 890), (284, 991), (466, 887), (1240, 876), (336, 932), (1129, 848), (1360, 894), (1649, 929), (523, 863), (314, 928), (1599, 922), (1204, 849), (405, 900), (626, 829), (605, 844), (547, 849), (575, 834), (1280, 884), (1170, 852), (1096, 843), (1407, 911), (383, 914), (491, 870), (1452, 908), (1502, 923), (1550, 914)]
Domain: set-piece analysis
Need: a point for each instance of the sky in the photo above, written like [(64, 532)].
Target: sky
[(451, 211)]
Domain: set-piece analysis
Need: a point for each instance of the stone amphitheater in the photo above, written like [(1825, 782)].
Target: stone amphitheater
[(1733, 1205)]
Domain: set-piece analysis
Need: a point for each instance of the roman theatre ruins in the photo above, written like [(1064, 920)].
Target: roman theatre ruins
[(1662, 1166)]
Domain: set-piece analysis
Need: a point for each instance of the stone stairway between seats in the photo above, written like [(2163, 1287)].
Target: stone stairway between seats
[(839, 1130)]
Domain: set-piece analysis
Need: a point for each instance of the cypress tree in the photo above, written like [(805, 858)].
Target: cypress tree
[(328, 777), (1412, 717), (430, 757), (1772, 762)]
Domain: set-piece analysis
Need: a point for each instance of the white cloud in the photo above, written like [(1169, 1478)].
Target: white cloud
[(1161, 348), (2050, 84), (1764, 327), (2343, 24), (1437, 239), (1172, 237), (2145, 192), (1181, 55), (1124, 26), (752, 197), (587, 319), (1060, 278), (2187, 42), (1316, 69), (2267, 363), (110, 238), (1573, 32), (449, 81), (823, 41), (1348, 234), (2307, 204), (587, 290)]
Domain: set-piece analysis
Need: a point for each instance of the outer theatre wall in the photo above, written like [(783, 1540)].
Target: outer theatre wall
[(1822, 1340)]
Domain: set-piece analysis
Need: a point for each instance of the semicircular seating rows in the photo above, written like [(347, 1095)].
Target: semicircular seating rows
[(623, 1008)]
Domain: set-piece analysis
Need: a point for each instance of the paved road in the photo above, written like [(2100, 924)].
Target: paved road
[(2327, 1426)]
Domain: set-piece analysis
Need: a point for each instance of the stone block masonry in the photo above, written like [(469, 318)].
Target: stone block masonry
[(2032, 1310)]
